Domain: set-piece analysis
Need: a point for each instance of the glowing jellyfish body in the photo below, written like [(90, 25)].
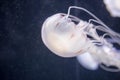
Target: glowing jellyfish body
[(68, 36), (113, 6), (63, 40)]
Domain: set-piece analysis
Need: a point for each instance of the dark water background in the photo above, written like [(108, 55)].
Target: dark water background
[(23, 56)]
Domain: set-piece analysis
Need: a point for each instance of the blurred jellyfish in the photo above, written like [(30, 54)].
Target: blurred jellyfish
[(113, 6), (68, 36)]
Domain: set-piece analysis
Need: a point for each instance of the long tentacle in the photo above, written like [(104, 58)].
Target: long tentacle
[(114, 35)]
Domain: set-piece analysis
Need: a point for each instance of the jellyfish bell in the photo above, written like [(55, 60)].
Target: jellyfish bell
[(62, 36)]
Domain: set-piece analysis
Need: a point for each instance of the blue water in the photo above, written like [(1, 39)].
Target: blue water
[(23, 56)]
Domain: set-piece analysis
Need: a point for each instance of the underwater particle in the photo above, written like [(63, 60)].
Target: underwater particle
[(113, 6)]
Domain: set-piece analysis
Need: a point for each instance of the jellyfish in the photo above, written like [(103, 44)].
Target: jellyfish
[(69, 36), (113, 6)]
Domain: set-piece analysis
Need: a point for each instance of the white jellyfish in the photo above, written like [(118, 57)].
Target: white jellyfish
[(113, 6), (68, 36)]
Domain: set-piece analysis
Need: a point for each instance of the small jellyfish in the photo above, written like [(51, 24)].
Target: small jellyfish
[(113, 6), (68, 36)]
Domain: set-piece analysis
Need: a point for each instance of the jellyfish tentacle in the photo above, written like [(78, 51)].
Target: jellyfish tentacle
[(106, 68), (81, 8), (104, 27)]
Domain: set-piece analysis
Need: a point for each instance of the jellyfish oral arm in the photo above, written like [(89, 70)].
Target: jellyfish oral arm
[(91, 60), (88, 61), (107, 56)]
